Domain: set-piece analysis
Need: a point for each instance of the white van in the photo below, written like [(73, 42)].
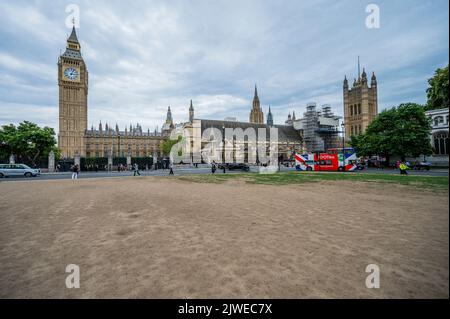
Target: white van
[(18, 170)]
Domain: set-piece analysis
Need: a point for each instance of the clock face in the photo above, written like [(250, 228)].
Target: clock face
[(71, 73)]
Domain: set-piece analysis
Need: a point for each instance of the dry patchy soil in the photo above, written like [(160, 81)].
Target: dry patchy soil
[(157, 237)]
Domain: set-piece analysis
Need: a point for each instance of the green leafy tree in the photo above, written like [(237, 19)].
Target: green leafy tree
[(167, 145), (437, 91), (402, 131), (27, 141)]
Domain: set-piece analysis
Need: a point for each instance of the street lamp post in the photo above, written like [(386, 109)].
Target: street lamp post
[(343, 146), (223, 148)]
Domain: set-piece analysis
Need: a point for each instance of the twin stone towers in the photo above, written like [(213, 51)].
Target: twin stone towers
[(75, 139)]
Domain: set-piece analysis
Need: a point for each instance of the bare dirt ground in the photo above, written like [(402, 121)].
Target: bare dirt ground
[(156, 237)]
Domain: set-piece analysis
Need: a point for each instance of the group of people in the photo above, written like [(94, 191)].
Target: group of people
[(137, 173), (135, 168)]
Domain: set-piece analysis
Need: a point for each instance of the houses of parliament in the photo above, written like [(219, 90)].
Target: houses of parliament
[(75, 139)]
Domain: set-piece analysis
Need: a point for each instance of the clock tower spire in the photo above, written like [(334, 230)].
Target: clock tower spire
[(73, 90)]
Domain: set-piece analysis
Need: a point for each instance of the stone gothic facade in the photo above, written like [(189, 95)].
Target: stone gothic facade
[(74, 138), (360, 104), (256, 114)]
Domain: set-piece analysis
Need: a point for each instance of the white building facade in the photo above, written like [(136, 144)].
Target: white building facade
[(439, 137)]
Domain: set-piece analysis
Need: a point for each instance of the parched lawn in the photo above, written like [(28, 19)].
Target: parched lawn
[(160, 237), (285, 178)]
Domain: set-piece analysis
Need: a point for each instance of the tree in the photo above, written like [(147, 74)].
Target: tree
[(402, 131), (437, 91), (167, 145), (27, 141)]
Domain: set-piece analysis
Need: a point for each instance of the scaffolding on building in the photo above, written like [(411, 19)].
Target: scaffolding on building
[(319, 137), (329, 134), (312, 140)]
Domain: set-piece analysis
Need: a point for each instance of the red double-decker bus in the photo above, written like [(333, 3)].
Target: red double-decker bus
[(334, 159)]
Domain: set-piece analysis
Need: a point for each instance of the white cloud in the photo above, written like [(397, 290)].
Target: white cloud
[(145, 55)]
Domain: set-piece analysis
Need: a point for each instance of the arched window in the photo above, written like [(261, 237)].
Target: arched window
[(438, 120), (353, 132), (359, 108), (359, 130), (441, 143), (351, 110)]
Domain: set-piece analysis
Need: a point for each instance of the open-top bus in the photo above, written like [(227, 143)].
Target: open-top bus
[(334, 159)]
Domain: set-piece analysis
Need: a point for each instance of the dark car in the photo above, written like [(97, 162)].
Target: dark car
[(422, 165), (235, 166)]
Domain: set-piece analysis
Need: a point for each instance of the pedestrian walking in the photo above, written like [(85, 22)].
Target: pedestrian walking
[(75, 170), (403, 167), (136, 170), (171, 169), (213, 167)]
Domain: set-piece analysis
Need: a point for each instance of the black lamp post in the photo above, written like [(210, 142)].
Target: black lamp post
[(343, 146), (223, 148)]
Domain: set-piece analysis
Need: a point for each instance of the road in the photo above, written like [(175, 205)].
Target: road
[(191, 170)]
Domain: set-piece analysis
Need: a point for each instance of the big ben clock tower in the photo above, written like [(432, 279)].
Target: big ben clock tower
[(73, 90)]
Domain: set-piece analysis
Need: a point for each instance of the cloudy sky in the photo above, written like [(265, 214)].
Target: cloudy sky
[(145, 55)]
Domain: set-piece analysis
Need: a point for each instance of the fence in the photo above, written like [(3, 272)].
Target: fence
[(101, 163)]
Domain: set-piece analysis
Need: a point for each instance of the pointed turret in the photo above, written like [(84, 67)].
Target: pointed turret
[(373, 79), (289, 119), (169, 119), (256, 114), (168, 125), (73, 36), (191, 113), (293, 115), (364, 75), (269, 118), (256, 98), (73, 45), (345, 82)]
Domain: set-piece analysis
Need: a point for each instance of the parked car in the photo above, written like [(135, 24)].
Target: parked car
[(422, 165), (18, 170), (235, 166)]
